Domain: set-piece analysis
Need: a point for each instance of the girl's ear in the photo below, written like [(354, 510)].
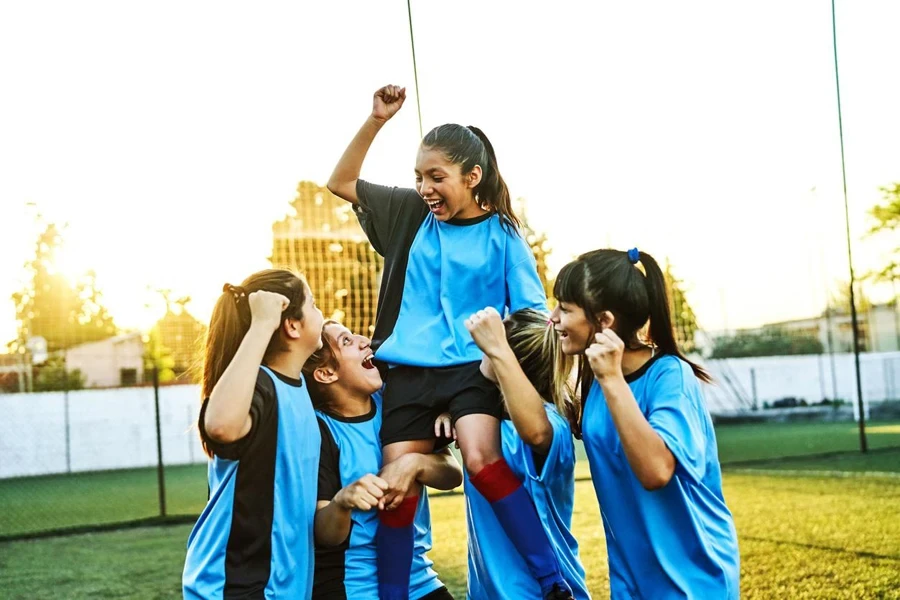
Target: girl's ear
[(324, 375), (606, 320), (291, 327), (474, 177)]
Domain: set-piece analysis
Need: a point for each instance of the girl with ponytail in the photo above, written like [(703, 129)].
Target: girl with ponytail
[(451, 247), (646, 430), (254, 539)]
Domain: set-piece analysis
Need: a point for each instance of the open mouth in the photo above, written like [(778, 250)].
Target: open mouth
[(368, 362), (562, 334), (435, 205)]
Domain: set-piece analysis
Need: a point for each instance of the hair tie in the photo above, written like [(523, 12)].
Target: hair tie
[(634, 256), (235, 290)]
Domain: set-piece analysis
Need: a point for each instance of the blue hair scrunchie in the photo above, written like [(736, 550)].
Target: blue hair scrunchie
[(634, 256)]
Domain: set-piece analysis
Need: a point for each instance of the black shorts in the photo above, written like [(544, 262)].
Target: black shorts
[(442, 593), (415, 396)]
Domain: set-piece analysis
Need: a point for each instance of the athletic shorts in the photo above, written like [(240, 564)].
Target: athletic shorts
[(415, 396)]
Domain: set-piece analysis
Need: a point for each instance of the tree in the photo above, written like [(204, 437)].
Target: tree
[(839, 301), (683, 318), (159, 356), (886, 220), (540, 247), (770, 341), (53, 377), (887, 215), (175, 341), (62, 312)]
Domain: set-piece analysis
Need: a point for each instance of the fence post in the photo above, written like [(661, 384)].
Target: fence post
[(160, 471), (753, 387)]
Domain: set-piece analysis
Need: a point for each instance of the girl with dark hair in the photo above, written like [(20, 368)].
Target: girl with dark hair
[(345, 388), (254, 539), (647, 433), (451, 247)]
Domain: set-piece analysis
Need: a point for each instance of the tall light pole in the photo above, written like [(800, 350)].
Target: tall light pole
[(863, 446)]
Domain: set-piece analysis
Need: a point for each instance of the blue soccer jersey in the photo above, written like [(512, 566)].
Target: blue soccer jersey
[(254, 539), (351, 448), (678, 541), (496, 569), (438, 273)]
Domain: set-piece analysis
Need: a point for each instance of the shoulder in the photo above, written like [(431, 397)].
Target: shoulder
[(329, 441), (675, 375), (667, 366), (265, 383)]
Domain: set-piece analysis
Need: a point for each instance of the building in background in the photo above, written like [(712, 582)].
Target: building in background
[(879, 329), (113, 362)]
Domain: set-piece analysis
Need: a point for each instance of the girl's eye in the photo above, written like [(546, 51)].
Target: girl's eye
[(438, 179)]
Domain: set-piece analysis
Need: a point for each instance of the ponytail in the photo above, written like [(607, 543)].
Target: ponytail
[(468, 147), (633, 288), (230, 322), (492, 191), (661, 331)]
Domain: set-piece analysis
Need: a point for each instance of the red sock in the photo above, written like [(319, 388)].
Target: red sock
[(496, 481)]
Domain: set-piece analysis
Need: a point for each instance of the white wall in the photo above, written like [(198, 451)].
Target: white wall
[(108, 429), (807, 377), (115, 428)]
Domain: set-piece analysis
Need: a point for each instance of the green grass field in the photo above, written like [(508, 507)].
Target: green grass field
[(803, 533)]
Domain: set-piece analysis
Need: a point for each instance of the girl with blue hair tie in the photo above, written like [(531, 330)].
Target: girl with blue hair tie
[(647, 433)]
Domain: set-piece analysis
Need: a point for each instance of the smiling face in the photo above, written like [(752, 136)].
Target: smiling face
[(356, 372), (574, 328), (448, 192)]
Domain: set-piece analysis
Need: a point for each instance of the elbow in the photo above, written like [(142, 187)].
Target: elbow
[(333, 185), (455, 479), (221, 431), (341, 189), (538, 438), (657, 479), (453, 475)]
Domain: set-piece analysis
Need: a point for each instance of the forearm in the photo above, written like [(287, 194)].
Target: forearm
[(651, 460), (228, 411), (332, 524), (525, 405), (343, 179), (439, 470)]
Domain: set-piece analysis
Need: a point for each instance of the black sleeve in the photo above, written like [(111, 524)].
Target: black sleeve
[(261, 406), (329, 465), (385, 212), (539, 458)]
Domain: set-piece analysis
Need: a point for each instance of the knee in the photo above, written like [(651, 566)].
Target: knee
[(477, 459)]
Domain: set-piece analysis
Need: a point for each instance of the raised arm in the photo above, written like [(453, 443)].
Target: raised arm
[(525, 405), (385, 104), (227, 417)]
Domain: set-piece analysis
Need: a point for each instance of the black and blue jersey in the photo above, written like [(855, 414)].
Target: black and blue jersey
[(254, 539), (350, 449)]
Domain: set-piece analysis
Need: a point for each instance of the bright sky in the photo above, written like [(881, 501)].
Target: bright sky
[(170, 135)]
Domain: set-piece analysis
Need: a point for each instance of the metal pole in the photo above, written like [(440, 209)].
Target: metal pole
[(160, 472), (863, 446), (753, 387)]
